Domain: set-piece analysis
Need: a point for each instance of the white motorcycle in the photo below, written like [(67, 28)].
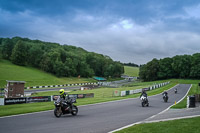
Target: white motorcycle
[(144, 101), (175, 90)]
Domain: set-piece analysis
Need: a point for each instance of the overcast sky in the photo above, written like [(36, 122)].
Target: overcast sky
[(126, 30)]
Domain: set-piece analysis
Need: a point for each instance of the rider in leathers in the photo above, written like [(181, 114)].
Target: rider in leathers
[(64, 96), (144, 94)]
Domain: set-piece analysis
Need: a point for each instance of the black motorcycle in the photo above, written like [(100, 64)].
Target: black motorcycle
[(165, 97), (65, 107), (144, 101)]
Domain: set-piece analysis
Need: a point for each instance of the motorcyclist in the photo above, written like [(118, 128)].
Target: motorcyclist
[(165, 93), (165, 96), (143, 93), (64, 96), (175, 90)]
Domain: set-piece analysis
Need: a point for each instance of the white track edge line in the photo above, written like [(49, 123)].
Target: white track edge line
[(176, 118)]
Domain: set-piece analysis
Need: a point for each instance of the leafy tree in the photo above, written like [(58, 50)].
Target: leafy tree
[(45, 63), (149, 72), (35, 53), (131, 64), (118, 69), (152, 70), (19, 53), (165, 69), (181, 66), (70, 67), (7, 47), (59, 68), (1, 39), (195, 66), (142, 72)]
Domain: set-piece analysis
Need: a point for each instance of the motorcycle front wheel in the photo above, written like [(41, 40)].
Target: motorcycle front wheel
[(57, 112), (74, 110)]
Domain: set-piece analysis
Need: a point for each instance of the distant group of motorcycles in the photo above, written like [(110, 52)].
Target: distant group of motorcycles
[(145, 102), (66, 106)]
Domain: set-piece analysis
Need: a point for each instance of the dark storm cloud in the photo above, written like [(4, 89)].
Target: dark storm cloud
[(126, 30)]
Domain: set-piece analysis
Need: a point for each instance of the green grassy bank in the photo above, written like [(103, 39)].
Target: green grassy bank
[(33, 76), (190, 125), (131, 71)]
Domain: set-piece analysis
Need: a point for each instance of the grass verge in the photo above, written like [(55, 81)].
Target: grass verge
[(190, 125)]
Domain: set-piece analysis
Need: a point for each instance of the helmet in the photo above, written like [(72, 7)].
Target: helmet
[(61, 91)]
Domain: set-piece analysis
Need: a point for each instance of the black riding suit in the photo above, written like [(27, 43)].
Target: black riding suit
[(144, 94), (66, 99)]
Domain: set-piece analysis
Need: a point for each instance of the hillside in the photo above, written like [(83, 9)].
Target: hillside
[(60, 60), (131, 71), (32, 76)]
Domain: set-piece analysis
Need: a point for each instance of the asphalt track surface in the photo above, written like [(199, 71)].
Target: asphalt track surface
[(97, 118)]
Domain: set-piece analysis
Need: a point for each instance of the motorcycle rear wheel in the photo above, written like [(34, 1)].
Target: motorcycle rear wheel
[(142, 104)]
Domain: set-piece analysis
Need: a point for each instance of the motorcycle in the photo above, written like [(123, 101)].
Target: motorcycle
[(175, 90), (165, 97), (65, 107), (144, 101)]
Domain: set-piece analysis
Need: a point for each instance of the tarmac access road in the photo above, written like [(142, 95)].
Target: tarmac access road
[(96, 118)]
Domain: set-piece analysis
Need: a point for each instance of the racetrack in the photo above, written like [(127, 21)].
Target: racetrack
[(97, 118)]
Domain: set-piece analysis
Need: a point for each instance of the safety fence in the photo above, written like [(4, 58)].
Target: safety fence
[(8, 101), (130, 92)]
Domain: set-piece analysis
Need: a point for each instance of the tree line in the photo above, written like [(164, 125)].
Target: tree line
[(131, 64), (60, 60), (179, 66)]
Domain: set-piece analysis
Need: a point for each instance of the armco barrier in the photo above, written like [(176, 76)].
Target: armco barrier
[(1, 101), (124, 93), (127, 92)]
